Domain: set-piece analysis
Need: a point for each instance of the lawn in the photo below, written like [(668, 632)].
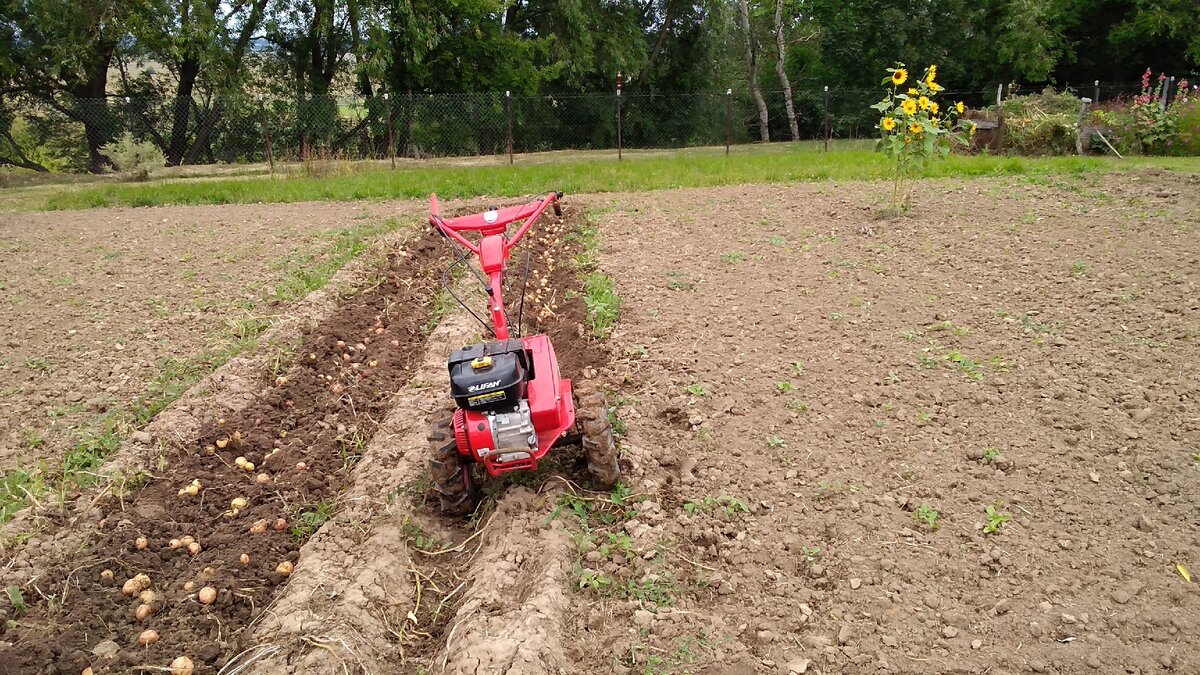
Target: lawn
[(569, 172)]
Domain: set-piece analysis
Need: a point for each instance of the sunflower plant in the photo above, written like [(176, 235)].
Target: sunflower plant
[(915, 128)]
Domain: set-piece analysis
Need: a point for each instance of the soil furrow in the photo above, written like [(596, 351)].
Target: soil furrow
[(266, 476)]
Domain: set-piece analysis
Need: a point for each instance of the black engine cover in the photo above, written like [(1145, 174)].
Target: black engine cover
[(495, 386)]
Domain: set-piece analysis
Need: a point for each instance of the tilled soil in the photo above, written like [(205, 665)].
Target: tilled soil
[(83, 331), (817, 410), (286, 456), (1018, 346)]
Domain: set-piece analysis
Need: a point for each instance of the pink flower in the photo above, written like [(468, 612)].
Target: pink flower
[(1162, 76)]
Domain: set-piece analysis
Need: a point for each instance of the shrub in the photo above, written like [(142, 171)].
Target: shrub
[(134, 158), (1170, 129)]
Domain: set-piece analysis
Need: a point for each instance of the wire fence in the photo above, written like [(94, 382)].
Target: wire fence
[(240, 129)]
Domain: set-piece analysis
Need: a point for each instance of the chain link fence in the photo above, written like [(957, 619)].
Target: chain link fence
[(240, 129)]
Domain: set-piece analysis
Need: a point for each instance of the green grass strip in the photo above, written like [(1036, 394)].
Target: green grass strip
[(698, 167)]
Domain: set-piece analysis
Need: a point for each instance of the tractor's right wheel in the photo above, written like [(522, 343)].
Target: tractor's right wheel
[(591, 414), (451, 476)]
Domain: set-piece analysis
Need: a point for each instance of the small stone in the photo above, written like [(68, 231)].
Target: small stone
[(1002, 607), (1045, 606), (890, 641), (1035, 629), (643, 618), (855, 583), (106, 650), (765, 637), (844, 635), (1069, 618), (950, 632), (1129, 433), (1094, 476), (1120, 596), (1093, 661), (1144, 524), (141, 437), (976, 644), (798, 666)]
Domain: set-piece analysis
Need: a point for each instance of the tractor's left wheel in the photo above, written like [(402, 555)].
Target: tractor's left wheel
[(596, 437), (451, 476)]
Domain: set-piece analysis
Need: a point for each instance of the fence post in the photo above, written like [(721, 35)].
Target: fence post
[(1096, 92), (262, 108), (128, 117), (619, 140), (728, 119), (387, 110), (1166, 90), (508, 118), (826, 118)]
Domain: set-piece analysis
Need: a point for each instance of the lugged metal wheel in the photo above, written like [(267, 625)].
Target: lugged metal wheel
[(596, 436), (451, 476)]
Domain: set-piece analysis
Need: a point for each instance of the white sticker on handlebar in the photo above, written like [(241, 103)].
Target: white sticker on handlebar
[(490, 216)]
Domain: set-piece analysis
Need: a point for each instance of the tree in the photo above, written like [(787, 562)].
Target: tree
[(60, 54), (751, 46)]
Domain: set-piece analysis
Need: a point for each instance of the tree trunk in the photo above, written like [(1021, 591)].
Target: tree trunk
[(189, 69), (780, 70), (752, 70)]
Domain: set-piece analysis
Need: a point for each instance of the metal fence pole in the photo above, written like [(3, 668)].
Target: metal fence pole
[(619, 140), (262, 107), (387, 110), (728, 119), (826, 118), (508, 118), (1096, 92)]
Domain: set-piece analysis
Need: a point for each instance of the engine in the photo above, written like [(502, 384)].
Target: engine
[(493, 423)]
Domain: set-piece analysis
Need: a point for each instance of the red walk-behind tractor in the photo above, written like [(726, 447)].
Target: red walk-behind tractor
[(511, 406)]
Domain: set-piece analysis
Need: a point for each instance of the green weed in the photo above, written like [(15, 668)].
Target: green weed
[(784, 387), (731, 505), (695, 390), (733, 257), (308, 521), (775, 442), (925, 514), (995, 519), (602, 303)]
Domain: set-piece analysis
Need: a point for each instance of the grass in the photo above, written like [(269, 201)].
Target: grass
[(702, 167)]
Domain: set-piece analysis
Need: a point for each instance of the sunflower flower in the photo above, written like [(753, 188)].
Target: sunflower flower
[(960, 107), (913, 92), (888, 123), (931, 75), (909, 106), (923, 102), (933, 108), (899, 76)]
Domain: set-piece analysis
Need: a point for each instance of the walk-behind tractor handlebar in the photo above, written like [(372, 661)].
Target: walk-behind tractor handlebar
[(511, 406), (494, 246)]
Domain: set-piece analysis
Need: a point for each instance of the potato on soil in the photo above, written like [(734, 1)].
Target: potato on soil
[(182, 666), (207, 595), (140, 543), (147, 638), (143, 612), (284, 569), (259, 526), (194, 549)]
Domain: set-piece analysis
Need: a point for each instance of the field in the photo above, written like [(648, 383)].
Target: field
[(965, 440)]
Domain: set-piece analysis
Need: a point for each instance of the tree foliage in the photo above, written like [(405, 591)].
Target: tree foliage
[(195, 63)]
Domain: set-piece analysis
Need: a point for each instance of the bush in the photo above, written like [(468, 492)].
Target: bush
[(134, 158)]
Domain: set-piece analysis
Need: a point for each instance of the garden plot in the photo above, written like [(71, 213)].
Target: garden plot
[(962, 441), (958, 441), (108, 315)]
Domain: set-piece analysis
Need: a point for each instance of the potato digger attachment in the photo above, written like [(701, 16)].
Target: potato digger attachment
[(510, 404)]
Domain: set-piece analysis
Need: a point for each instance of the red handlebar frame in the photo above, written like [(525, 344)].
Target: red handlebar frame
[(497, 225), (494, 246)]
